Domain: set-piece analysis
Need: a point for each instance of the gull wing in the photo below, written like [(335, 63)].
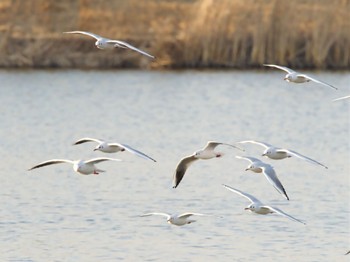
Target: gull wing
[(132, 150), (293, 153), (188, 214), (250, 159), (286, 69), (341, 98), (271, 176), (87, 139), (97, 37), (126, 45), (181, 168), (51, 162), (243, 194), (157, 214), (266, 145), (317, 81), (280, 212), (213, 144), (101, 159)]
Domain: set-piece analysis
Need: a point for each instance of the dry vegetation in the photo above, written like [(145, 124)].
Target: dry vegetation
[(181, 33)]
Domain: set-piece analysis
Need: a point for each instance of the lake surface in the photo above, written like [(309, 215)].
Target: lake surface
[(54, 214)]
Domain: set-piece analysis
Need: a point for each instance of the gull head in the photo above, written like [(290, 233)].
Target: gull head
[(250, 167), (288, 78), (251, 207), (101, 147), (267, 152)]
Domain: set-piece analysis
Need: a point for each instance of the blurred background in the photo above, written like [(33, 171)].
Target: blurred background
[(311, 34)]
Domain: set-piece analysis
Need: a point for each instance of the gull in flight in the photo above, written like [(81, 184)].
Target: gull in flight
[(206, 153), (259, 208), (341, 98), (177, 220), (296, 77), (277, 153), (258, 166), (84, 167), (106, 147), (105, 43)]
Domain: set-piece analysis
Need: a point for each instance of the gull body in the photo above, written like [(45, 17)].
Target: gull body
[(277, 153), (105, 43), (177, 220), (84, 167), (295, 77), (106, 147), (258, 166), (206, 153), (259, 208)]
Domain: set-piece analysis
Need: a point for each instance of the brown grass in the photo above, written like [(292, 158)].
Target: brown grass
[(181, 33)]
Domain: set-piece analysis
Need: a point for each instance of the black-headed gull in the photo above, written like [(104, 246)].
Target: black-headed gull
[(341, 98), (206, 153), (105, 43), (177, 220), (84, 167), (296, 77), (259, 208), (106, 147), (277, 153), (258, 166)]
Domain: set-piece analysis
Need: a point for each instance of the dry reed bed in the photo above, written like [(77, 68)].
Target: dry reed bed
[(202, 33)]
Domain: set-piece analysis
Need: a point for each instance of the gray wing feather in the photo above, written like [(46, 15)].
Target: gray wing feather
[(101, 159), (271, 176), (181, 169), (302, 157), (51, 162), (246, 195), (317, 81), (134, 151), (280, 212), (126, 45), (286, 69), (97, 37), (87, 139)]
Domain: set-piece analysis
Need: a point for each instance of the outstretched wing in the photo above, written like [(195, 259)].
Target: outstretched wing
[(293, 153), (132, 150), (87, 139), (271, 176), (97, 37), (181, 169), (286, 69), (155, 213), (266, 145), (212, 144), (52, 162), (243, 194), (280, 212), (126, 45), (101, 159), (341, 98), (249, 158), (317, 81)]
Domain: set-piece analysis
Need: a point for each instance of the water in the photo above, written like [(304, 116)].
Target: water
[(53, 214)]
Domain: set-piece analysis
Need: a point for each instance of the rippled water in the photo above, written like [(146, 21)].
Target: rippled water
[(53, 214)]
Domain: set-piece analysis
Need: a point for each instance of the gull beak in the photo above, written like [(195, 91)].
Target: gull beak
[(263, 154), (246, 208), (95, 149), (246, 169), (285, 78)]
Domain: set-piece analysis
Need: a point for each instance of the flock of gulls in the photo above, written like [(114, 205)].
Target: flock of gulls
[(87, 167)]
